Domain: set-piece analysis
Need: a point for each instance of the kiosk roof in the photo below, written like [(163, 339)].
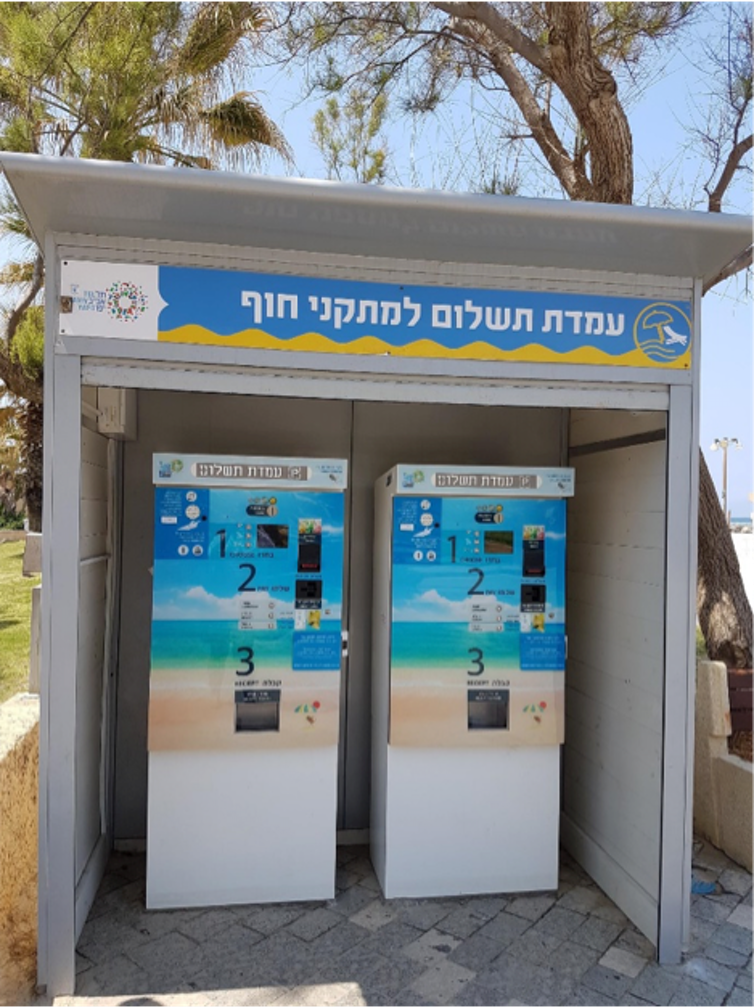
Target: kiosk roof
[(152, 202)]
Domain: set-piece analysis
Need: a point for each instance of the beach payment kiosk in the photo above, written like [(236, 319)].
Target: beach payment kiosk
[(245, 676), (469, 658)]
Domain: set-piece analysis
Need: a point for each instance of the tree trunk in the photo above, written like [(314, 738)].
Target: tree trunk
[(31, 458), (722, 606)]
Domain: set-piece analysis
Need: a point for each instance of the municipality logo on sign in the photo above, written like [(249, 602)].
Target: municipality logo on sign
[(126, 301), (662, 332)]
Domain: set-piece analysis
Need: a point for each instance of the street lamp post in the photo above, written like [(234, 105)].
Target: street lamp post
[(723, 444)]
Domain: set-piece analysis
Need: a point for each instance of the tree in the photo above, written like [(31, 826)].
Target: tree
[(347, 134), (150, 82), (560, 78)]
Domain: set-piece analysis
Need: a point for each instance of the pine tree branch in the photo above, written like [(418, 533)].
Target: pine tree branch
[(543, 132), (488, 15), (732, 164)]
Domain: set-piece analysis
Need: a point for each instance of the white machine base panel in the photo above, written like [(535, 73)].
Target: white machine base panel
[(229, 828), (463, 822)]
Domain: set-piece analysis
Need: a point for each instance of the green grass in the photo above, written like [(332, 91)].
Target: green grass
[(15, 620)]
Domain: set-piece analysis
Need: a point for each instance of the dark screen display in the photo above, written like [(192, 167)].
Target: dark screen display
[(498, 542), (272, 537)]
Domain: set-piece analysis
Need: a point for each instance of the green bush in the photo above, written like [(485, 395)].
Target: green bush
[(9, 519)]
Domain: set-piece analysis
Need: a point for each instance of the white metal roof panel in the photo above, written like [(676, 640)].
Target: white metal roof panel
[(134, 201)]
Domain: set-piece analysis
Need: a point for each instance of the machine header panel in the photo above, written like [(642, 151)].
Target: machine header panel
[(249, 471), (494, 481)]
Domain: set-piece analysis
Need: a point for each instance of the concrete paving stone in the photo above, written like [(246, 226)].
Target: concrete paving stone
[(169, 959), (350, 901), (283, 959), (560, 923), (475, 952), (433, 947), (354, 1000), (533, 947), (709, 857), (313, 923), (739, 996), (584, 899), (729, 899), (82, 963), (632, 999), (596, 933), (734, 937), (320, 994), (724, 955), (333, 943), (133, 891), (487, 906), (236, 994), (344, 878), (694, 992), (710, 972), (633, 941), (571, 961), (475, 994), (504, 928), (570, 874), (656, 984), (361, 865), (424, 914), (382, 985), (512, 978), (606, 981), (346, 853), (741, 917), (112, 978), (735, 880), (392, 938), (374, 915), (701, 933), (462, 921), (623, 961), (244, 997), (587, 996), (709, 909), (442, 982), (531, 907), (233, 968), (269, 918), (370, 882), (412, 997), (744, 978), (207, 924), (105, 937), (610, 912), (232, 944)]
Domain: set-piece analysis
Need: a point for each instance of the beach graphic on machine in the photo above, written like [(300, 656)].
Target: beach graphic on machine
[(246, 630), (478, 621)]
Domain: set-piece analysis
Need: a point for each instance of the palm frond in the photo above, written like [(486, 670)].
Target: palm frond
[(241, 122), (14, 274), (215, 34)]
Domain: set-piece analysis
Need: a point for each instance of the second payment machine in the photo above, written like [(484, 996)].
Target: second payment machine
[(468, 678), (245, 679)]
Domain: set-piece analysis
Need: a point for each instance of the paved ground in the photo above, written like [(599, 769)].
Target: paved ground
[(573, 947)]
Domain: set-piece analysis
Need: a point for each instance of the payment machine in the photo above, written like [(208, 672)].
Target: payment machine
[(245, 679), (468, 678)]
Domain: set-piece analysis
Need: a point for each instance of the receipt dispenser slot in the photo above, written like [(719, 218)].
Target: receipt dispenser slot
[(257, 710), (488, 709)]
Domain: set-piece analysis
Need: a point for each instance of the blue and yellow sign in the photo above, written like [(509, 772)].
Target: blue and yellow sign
[(274, 312)]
